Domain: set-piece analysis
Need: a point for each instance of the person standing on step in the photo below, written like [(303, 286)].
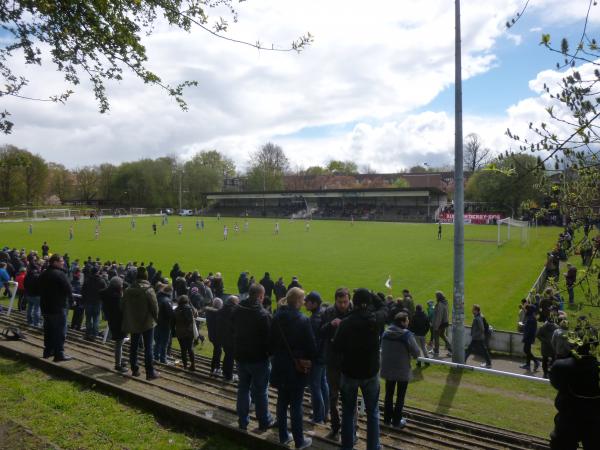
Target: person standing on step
[(184, 317), (529, 333), (140, 313), (112, 297), (55, 295)]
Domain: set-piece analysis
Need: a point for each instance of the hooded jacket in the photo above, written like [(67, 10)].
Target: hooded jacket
[(357, 341), (140, 307), (440, 316), (398, 345), (251, 332)]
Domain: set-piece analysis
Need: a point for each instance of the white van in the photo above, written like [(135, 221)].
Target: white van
[(186, 212)]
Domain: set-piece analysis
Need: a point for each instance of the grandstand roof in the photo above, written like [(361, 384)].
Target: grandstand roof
[(331, 193)]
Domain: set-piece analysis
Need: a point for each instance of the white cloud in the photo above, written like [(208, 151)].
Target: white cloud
[(516, 39)]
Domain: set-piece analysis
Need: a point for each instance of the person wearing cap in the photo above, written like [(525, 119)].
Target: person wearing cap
[(140, 313), (90, 295), (319, 389), (55, 295), (292, 338), (251, 336), (111, 305), (577, 381), (357, 341)]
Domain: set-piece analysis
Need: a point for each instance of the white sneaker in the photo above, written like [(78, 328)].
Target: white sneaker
[(307, 443)]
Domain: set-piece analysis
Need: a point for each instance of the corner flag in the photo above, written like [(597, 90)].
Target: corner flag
[(388, 283)]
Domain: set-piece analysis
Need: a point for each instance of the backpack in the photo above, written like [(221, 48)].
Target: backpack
[(13, 334), (487, 330)]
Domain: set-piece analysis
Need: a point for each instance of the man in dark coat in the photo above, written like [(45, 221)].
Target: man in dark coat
[(162, 330), (225, 335), (577, 401), (478, 344), (111, 305), (90, 294), (292, 338), (55, 295), (279, 289), (319, 389), (212, 313), (268, 284), (251, 333), (357, 341), (332, 317)]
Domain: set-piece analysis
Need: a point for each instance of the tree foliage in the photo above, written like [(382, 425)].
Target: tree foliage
[(267, 168), (23, 176), (342, 167), (99, 40)]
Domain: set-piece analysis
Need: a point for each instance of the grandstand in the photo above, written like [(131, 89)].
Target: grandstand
[(399, 204)]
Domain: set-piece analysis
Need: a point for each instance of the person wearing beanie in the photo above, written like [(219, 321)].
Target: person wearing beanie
[(357, 341), (140, 314), (319, 389)]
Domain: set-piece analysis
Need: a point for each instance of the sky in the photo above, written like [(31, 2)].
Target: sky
[(375, 87)]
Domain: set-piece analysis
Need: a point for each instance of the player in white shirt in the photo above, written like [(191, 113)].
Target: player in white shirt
[(276, 227), (225, 232)]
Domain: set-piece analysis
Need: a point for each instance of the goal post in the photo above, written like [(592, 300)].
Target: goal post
[(51, 213), (137, 211), (510, 226)]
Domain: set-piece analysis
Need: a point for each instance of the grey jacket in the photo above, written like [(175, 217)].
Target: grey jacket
[(398, 345), (440, 315), (560, 344)]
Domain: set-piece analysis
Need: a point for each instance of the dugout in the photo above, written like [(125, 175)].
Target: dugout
[(396, 204)]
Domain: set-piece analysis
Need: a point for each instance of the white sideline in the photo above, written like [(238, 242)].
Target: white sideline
[(482, 369)]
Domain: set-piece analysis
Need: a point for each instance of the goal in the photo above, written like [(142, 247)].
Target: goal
[(137, 211), (511, 229), (51, 213)]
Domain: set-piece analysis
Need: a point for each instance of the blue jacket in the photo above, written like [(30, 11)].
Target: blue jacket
[(298, 332)]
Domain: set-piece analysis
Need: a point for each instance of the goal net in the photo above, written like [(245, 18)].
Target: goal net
[(137, 211), (51, 213), (12, 214), (510, 229)]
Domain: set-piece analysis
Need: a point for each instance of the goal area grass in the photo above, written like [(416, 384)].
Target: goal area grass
[(327, 255)]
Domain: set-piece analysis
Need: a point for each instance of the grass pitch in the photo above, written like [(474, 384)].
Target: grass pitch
[(328, 255)]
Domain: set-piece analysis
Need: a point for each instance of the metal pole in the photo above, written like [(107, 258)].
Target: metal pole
[(458, 306)]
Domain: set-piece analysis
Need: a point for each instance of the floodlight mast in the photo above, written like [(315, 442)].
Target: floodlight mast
[(458, 305)]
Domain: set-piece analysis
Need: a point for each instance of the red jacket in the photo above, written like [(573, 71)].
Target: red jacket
[(20, 278)]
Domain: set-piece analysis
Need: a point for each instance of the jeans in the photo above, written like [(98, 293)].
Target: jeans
[(369, 388), (437, 334), (187, 350), (215, 363), (253, 377), (478, 347), (119, 352), (228, 363), (421, 343), (92, 320), (319, 393), (161, 342), (292, 398), (55, 333), (571, 291), (33, 311), (392, 413), (133, 350)]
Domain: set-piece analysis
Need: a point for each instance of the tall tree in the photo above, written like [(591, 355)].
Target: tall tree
[(475, 154), (35, 175), (86, 179), (204, 173), (60, 181), (267, 167), (99, 39), (106, 176)]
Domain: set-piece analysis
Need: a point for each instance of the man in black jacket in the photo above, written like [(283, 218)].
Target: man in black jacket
[(251, 334), (55, 294), (268, 284), (225, 334), (330, 321), (357, 341), (319, 389), (90, 294), (577, 401)]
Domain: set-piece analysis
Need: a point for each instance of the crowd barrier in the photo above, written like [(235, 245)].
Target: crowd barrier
[(507, 342)]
